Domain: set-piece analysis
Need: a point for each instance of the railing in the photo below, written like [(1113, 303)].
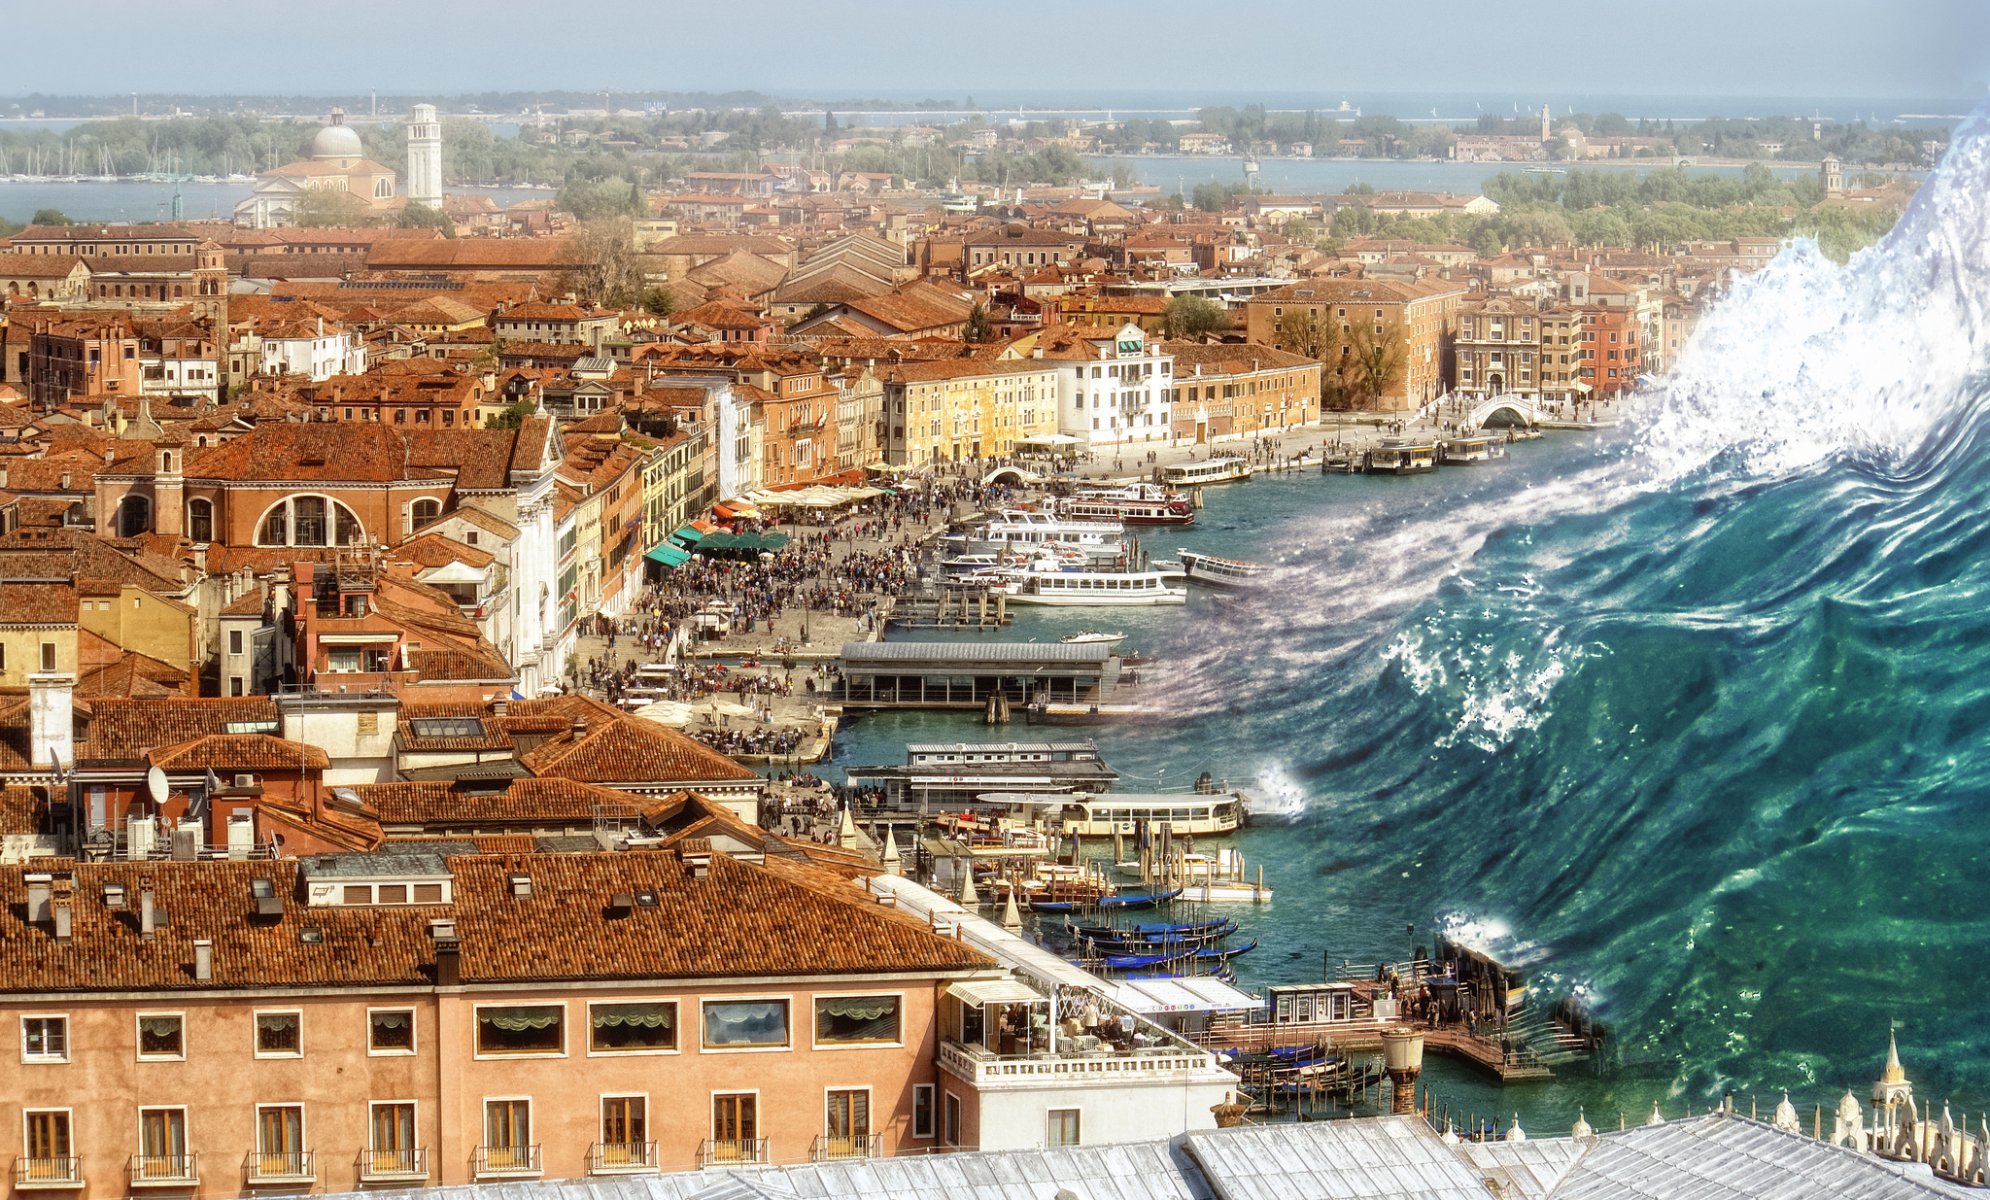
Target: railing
[(732, 1152), (618, 1158), (165, 1170), (392, 1165), (1104, 1065), (279, 1166), (64, 1172), (497, 1162), (834, 1149)]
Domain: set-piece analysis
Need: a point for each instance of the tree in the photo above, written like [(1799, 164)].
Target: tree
[(1193, 317), (322, 208), (977, 328), (658, 300), (512, 417), (421, 216), (607, 272), (1210, 197), (1487, 244), (49, 216), (1375, 361)]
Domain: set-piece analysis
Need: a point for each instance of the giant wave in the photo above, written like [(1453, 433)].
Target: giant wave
[(1706, 718)]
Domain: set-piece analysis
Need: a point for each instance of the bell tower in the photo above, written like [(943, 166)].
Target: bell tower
[(425, 158), (1892, 1090), (210, 290)]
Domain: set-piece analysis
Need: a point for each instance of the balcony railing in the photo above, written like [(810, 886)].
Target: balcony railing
[(501, 1162), (1166, 1061), (165, 1170), (733, 1152), (621, 1158), (48, 1172), (280, 1166), (836, 1149), (392, 1166)]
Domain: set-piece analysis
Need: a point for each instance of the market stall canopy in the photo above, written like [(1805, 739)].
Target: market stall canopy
[(816, 496), (1048, 439), (666, 712), (690, 535), (669, 555)]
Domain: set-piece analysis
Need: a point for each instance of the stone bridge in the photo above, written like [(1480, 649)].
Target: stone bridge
[(1504, 410)]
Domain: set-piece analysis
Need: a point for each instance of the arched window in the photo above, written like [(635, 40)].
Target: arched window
[(309, 521), (134, 516), (423, 511), (200, 520)]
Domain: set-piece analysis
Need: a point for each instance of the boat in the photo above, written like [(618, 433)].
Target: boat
[(1137, 504), (1194, 814), (1219, 572), (1474, 448), (1090, 588), (1133, 937), (1133, 900), (956, 776), (1092, 638), (1017, 526), (1227, 469), (1396, 456), (1139, 962)]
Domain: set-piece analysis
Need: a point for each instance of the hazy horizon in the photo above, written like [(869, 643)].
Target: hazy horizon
[(1884, 50)]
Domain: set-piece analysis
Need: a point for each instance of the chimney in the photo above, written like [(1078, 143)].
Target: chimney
[(148, 912), (579, 730), (63, 927), (52, 719), (203, 959), (448, 953), (39, 887), (499, 706)]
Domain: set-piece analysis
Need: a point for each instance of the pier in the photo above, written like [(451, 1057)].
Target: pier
[(971, 675)]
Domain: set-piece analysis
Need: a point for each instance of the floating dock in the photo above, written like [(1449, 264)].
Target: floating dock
[(968, 675)]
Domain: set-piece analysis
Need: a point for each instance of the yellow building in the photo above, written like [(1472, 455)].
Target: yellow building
[(37, 631), (138, 622), (959, 409)]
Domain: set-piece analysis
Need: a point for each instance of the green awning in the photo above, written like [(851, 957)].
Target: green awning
[(742, 543), (687, 534), (669, 555)]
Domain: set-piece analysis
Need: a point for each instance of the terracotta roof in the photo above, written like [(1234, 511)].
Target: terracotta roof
[(631, 751), (38, 266), (316, 451), (124, 730), (440, 805), (37, 604), (223, 752)]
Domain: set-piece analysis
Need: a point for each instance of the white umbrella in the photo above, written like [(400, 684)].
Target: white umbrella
[(666, 712)]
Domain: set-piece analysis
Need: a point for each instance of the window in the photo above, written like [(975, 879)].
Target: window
[(49, 1151), (731, 1024), (391, 1140), (279, 1035), (631, 1028), (624, 1132), (280, 1141), (521, 1029), (44, 1039), (425, 511), (200, 520), (508, 1135), (735, 1126), (951, 1133), (162, 1035), (1062, 1127), (234, 685), (847, 1122), (856, 1020), (48, 656), (922, 1110), (390, 1031), (234, 641), (162, 1144), (342, 661)]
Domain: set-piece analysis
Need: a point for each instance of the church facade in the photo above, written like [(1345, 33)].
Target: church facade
[(338, 163)]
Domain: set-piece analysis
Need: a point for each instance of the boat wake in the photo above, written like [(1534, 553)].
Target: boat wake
[(1704, 715)]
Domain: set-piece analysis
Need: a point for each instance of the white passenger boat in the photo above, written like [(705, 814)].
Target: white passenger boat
[(1090, 588), (1183, 814), (1021, 527), (1220, 572), (1136, 504), (1210, 470)]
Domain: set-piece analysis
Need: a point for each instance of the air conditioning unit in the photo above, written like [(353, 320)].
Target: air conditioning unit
[(245, 781)]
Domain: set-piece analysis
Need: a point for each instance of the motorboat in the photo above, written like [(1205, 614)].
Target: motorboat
[(1136, 504), (1092, 638), (1227, 469)]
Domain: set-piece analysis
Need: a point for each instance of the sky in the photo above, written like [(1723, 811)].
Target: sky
[(953, 48)]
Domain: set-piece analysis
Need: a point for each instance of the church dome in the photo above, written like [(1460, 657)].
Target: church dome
[(337, 140)]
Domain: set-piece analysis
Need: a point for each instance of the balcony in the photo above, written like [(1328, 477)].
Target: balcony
[(621, 1158), (279, 1166), (507, 1162), (47, 1174), (392, 1166), (733, 1152), (1160, 1063), (842, 1149), (165, 1170)]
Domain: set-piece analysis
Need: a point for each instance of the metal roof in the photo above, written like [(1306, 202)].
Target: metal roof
[(1379, 1158), (1732, 1156), (1022, 653)]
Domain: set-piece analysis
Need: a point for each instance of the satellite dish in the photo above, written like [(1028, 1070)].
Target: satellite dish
[(156, 786)]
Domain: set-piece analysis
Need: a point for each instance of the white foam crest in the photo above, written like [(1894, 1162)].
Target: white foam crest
[(1807, 360)]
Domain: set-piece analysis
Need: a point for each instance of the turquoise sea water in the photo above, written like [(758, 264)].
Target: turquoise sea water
[(1690, 716)]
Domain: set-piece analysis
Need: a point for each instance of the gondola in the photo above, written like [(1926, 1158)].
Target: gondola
[(1156, 931)]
